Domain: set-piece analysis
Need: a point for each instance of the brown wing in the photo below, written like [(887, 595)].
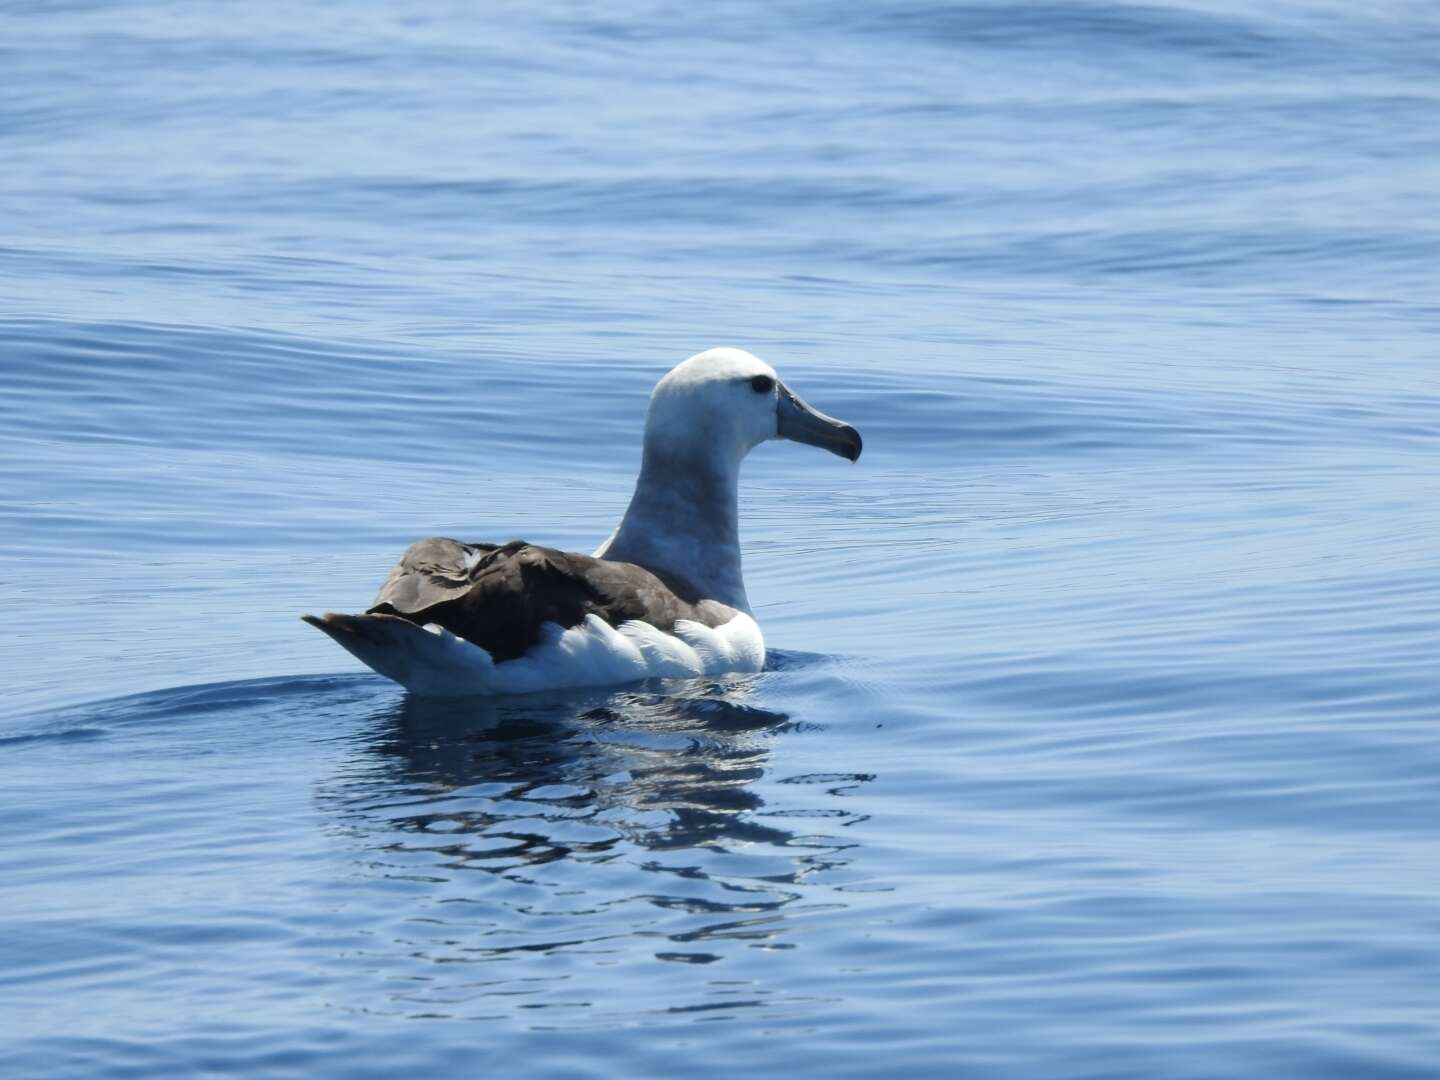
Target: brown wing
[(430, 572), (499, 596)]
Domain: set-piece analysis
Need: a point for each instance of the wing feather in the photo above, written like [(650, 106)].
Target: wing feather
[(501, 597)]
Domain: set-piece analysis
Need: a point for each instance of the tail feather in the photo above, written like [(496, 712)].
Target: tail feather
[(425, 659)]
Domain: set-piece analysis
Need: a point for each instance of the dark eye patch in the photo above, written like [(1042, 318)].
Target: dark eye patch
[(762, 384)]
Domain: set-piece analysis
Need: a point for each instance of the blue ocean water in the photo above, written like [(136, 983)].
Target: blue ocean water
[(1099, 736)]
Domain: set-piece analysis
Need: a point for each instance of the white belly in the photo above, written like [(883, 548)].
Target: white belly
[(434, 662)]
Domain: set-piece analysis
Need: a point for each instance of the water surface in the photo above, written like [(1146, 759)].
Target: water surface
[(1098, 737)]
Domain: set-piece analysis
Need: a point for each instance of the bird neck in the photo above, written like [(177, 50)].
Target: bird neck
[(683, 521)]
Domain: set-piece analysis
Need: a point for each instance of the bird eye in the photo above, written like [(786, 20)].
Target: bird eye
[(762, 384)]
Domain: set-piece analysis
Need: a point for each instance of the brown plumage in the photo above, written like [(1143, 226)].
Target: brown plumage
[(499, 596)]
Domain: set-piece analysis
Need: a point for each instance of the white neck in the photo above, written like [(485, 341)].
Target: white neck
[(683, 520)]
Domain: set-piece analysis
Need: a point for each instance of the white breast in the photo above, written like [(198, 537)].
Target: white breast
[(594, 653)]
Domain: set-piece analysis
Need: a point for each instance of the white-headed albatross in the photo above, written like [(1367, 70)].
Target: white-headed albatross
[(663, 596)]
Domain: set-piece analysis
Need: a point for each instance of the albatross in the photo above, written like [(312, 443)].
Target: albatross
[(662, 597)]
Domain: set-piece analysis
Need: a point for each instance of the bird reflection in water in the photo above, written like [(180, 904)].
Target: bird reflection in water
[(590, 819), (662, 771)]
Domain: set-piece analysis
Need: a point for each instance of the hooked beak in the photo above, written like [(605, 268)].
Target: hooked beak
[(800, 423)]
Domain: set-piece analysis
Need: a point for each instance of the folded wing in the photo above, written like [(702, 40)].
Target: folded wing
[(500, 596)]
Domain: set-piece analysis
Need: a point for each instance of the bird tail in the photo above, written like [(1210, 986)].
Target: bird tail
[(427, 660)]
